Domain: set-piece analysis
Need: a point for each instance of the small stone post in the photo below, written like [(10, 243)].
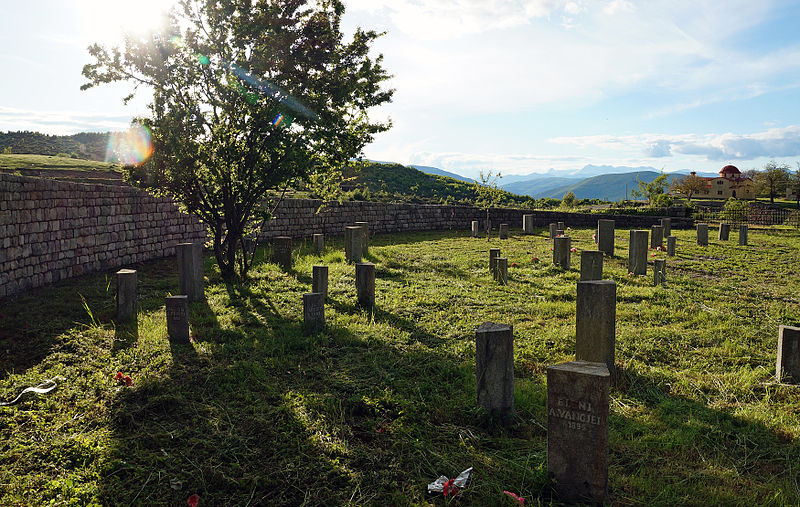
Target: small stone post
[(527, 224), (656, 236), (561, 226), (553, 230), (365, 284), (494, 253), (319, 281), (353, 242), (637, 253), (724, 232), (595, 322), (659, 271), (605, 236), (671, 246), (319, 243), (560, 232), (702, 234), (743, 235), (313, 312), (364, 236), (577, 430), (475, 229), (282, 251), (787, 368), (190, 270), (501, 273), (127, 305), (561, 253), (177, 309), (494, 372), (666, 225), (591, 265), (503, 231)]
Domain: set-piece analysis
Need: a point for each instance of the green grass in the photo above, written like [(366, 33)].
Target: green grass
[(16, 162), (369, 412)]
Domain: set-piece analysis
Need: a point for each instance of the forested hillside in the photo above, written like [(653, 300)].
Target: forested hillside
[(86, 145)]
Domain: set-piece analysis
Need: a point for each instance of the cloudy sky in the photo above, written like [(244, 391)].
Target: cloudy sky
[(518, 86)]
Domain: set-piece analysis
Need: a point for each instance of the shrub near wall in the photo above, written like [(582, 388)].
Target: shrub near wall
[(51, 230)]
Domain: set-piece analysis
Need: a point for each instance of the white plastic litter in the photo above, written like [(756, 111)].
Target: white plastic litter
[(43, 388), (437, 486)]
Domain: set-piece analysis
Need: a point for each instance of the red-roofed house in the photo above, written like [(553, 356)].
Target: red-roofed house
[(729, 183)]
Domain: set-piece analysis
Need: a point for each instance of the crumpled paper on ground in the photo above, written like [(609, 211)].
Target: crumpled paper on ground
[(460, 482)]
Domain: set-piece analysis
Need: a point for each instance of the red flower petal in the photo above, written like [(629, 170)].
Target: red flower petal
[(193, 500), (519, 499), (118, 376), (128, 381)]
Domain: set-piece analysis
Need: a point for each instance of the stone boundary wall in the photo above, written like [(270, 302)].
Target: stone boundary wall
[(51, 230), (297, 218)]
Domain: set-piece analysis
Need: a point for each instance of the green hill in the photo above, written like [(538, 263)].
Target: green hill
[(608, 187), (86, 145)]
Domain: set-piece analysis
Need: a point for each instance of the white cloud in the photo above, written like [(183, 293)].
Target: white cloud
[(60, 122)]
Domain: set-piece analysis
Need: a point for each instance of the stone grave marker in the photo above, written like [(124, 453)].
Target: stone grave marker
[(364, 236), (637, 252), (282, 251), (787, 368), (319, 243), (177, 309), (475, 229), (671, 245), (595, 322), (561, 253), (724, 232), (319, 281), (501, 273), (503, 231), (591, 265), (527, 224), (494, 372), (605, 236), (656, 236), (666, 225), (560, 232), (577, 430), (190, 270), (352, 243), (553, 230), (702, 234), (494, 253), (743, 235), (313, 312), (365, 284), (659, 271), (127, 305), (561, 226)]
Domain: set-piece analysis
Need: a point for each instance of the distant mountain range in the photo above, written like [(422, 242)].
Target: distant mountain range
[(440, 172)]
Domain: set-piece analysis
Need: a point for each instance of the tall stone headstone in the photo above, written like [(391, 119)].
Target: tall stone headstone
[(475, 229), (561, 253), (364, 236), (313, 312), (553, 230), (127, 305), (656, 236), (591, 265), (282, 251), (743, 235), (319, 243), (494, 373), (724, 231), (659, 271), (787, 369), (503, 231), (671, 245), (177, 310), (190, 270), (494, 253), (352, 243), (637, 253), (319, 280), (595, 322), (561, 226), (365, 284), (605, 236), (666, 225), (577, 430), (702, 234), (501, 273), (527, 224)]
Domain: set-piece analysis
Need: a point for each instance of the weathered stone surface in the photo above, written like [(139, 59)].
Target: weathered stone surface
[(702, 234), (787, 368), (365, 284), (503, 231), (352, 243), (319, 243), (605, 236), (561, 226), (595, 322), (591, 265), (319, 280), (561, 253), (560, 232), (494, 361), (177, 309), (501, 273), (742, 235), (127, 306), (494, 253), (637, 253), (527, 224), (659, 271), (282, 251), (190, 270), (364, 236), (313, 312), (577, 430), (671, 245), (666, 225), (724, 232), (553, 230), (475, 229), (656, 236)]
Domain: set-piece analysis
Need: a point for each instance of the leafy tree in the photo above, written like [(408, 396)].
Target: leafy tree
[(688, 186), (794, 185), (651, 190), (734, 210), (488, 195), (248, 98), (568, 201), (772, 180)]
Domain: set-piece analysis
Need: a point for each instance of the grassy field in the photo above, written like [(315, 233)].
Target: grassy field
[(16, 162), (379, 405)]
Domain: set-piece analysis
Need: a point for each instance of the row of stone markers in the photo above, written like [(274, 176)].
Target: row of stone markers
[(722, 235), (314, 301)]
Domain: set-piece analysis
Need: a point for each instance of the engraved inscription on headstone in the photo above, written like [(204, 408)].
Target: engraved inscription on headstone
[(313, 312), (177, 310), (282, 251)]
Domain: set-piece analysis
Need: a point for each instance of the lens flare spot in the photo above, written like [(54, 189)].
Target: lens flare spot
[(203, 59), (278, 120), (130, 147), (176, 40)]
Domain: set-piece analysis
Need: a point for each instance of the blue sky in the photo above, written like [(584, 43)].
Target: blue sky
[(518, 86)]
